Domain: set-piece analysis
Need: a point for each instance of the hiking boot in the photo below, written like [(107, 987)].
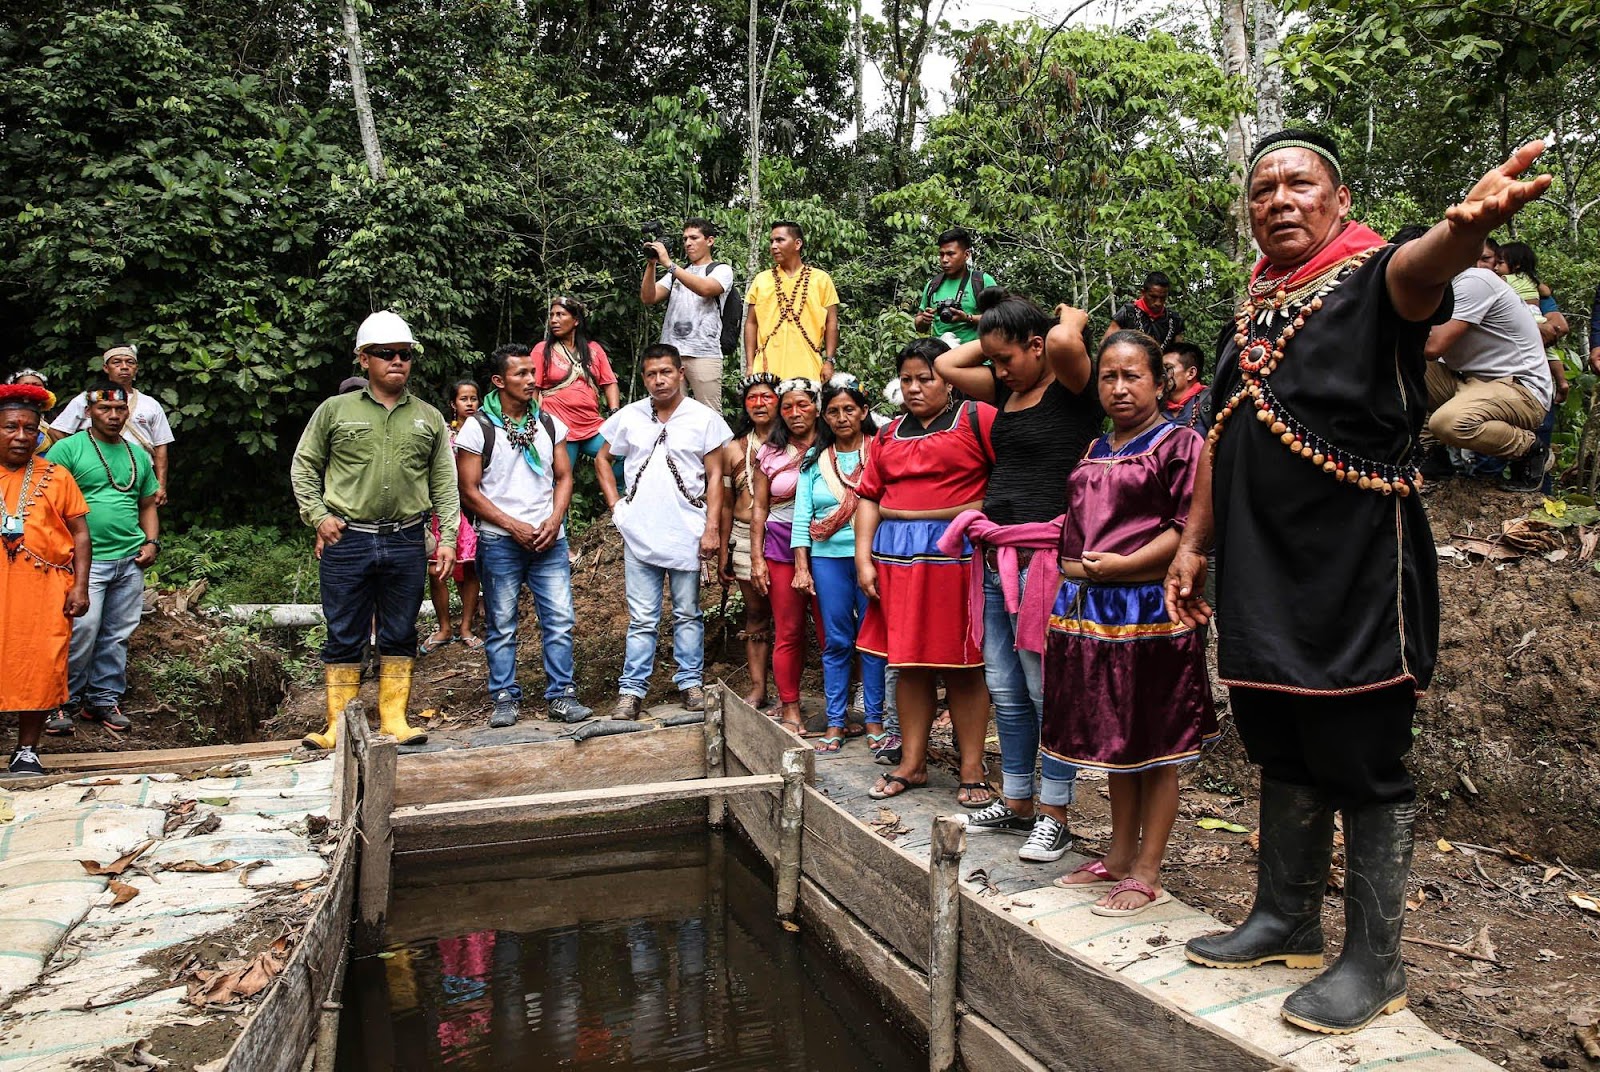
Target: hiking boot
[(26, 761), (61, 722), (506, 709), (628, 707), (568, 709), (1435, 464), (1285, 922), (888, 752), (998, 818), (1527, 472), (694, 698), (111, 718), (1049, 840)]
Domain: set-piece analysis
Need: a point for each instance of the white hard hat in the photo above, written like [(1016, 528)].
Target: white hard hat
[(382, 327)]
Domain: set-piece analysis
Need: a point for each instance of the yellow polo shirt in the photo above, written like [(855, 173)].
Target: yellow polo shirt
[(782, 348)]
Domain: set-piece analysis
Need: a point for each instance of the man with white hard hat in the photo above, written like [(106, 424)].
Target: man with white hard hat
[(371, 466)]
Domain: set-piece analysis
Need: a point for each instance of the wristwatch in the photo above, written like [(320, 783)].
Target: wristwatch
[(153, 543)]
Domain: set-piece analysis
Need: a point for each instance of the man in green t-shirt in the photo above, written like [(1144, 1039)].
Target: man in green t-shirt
[(118, 479), (949, 301)]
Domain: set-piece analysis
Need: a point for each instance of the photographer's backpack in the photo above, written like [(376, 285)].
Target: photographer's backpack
[(974, 280), (732, 315)]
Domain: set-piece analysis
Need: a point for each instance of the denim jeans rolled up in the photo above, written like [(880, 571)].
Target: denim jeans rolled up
[(643, 582), (366, 574), (843, 603), (504, 566), (97, 659), (1016, 686)]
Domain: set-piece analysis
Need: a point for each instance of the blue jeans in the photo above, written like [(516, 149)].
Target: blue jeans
[(843, 604), (97, 659), (366, 574), (1016, 685), (644, 616), (504, 566)]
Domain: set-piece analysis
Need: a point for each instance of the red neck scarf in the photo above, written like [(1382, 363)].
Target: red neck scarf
[(1177, 402), (1354, 238), (1139, 303)]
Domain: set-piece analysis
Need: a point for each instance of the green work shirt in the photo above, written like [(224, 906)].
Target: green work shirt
[(366, 463), (969, 303), (114, 531)]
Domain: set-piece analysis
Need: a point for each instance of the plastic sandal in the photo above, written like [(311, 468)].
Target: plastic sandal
[(429, 646), (1097, 868), (993, 795), (1132, 885), (890, 780), (829, 747)]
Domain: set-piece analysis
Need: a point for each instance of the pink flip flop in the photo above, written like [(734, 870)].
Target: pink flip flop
[(1097, 868), (1132, 885)]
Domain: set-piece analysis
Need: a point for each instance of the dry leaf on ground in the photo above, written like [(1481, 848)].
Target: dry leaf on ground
[(197, 866), (235, 979), (1589, 902), (122, 892), (117, 866)]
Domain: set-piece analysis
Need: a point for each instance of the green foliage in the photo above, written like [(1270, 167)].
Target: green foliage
[(240, 565), (187, 683)]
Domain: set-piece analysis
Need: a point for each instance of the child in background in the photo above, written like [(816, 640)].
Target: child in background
[(462, 404), (1126, 689)]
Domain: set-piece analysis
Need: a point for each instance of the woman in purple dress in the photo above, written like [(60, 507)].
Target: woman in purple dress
[(1125, 688)]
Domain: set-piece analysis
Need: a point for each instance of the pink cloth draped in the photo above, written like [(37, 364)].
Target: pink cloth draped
[(1031, 602)]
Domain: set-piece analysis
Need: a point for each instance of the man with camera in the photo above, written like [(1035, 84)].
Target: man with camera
[(694, 294), (950, 300)]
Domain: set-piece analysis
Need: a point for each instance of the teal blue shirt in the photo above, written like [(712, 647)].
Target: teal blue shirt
[(813, 498)]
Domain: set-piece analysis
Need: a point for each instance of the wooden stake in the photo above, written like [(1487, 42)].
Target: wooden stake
[(716, 806), (944, 888), (377, 842), (796, 768)]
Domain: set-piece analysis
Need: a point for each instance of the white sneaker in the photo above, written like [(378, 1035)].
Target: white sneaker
[(858, 699), (1049, 840)]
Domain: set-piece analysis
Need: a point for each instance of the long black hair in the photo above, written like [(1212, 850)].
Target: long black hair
[(1520, 260), (779, 436), (580, 336), (454, 391), (1013, 317), (825, 434)]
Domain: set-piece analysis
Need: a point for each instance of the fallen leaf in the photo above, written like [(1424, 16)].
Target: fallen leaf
[(432, 712), (386, 955), (143, 1058), (234, 979), (195, 866), (88, 795), (279, 763), (1444, 846), (117, 866), (1211, 822), (244, 872), (216, 802), (1589, 902), (208, 825), (1254, 841), (1589, 1039), (122, 892), (218, 1065), (1550, 873), (1481, 945), (7, 811), (1416, 900)]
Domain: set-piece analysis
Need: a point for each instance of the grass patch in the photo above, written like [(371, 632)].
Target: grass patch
[(241, 564)]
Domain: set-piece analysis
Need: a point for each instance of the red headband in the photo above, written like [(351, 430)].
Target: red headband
[(25, 396)]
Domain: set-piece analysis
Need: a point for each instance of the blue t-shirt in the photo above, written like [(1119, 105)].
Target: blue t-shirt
[(813, 498)]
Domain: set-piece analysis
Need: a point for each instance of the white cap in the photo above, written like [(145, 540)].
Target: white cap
[(382, 327)]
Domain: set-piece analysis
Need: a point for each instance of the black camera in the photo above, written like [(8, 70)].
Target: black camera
[(651, 231), (947, 311)]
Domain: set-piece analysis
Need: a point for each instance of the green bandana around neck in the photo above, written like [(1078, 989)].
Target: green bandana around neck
[(521, 435)]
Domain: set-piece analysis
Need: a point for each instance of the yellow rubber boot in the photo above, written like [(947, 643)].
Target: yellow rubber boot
[(394, 693), (343, 683)]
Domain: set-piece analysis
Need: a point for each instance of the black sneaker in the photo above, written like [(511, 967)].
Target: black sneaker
[(1436, 464), (998, 818), (506, 709), (1049, 841), (568, 709), (1526, 473), (26, 761), (111, 718), (61, 722)]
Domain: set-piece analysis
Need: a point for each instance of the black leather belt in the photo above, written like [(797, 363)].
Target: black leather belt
[(384, 528)]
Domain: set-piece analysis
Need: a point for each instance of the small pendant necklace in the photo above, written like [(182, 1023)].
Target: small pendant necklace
[(11, 524), (133, 465)]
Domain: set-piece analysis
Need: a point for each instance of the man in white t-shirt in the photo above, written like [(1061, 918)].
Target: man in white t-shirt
[(147, 421), (694, 295), (516, 479), (670, 520)]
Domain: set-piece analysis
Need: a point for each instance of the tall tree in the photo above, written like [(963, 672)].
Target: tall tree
[(1236, 64), (357, 61)]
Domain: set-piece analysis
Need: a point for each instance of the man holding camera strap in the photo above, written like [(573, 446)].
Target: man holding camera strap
[(694, 295), (949, 304)]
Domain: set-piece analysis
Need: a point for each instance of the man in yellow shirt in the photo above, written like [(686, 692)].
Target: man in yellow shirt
[(791, 326)]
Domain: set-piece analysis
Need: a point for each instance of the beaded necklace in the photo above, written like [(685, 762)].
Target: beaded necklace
[(858, 472), (11, 524), (696, 501), (1274, 313), (133, 465), (789, 306)]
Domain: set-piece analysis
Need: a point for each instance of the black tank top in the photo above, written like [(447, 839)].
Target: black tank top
[(1035, 449)]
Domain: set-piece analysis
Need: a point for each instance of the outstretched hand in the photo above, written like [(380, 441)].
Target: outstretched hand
[(1500, 194)]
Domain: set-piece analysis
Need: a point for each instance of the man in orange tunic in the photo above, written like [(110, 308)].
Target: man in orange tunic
[(44, 574)]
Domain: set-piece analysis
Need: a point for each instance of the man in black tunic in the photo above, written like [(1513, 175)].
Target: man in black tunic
[(1328, 608)]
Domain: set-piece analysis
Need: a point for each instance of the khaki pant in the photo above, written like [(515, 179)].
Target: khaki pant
[(1493, 417), (705, 380)]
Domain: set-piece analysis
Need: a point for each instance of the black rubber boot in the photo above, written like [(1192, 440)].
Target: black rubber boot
[(1368, 978), (1285, 923)]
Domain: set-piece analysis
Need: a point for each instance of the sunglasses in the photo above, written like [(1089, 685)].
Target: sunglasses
[(384, 353)]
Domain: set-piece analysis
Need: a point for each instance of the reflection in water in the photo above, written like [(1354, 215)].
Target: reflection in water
[(665, 958)]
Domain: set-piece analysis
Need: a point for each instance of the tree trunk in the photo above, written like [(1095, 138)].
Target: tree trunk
[(1269, 76), (753, 260), (1236, 64), (859, 59), (358, 90)]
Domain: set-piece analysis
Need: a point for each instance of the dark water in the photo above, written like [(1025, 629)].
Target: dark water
[(659, 953)]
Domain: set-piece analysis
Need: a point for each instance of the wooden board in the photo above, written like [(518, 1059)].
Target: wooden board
[(467, 836), (659, 755), (69, 766), (1076, 1008), (284, 1025), (753, 738), (435, 871), (756, 816), (542, 807)]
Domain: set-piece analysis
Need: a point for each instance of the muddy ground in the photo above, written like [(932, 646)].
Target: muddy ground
[(1507, 758)]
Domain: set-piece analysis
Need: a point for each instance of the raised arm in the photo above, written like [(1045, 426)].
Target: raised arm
[(1420, 271), (1064, 348), (964, 367)]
